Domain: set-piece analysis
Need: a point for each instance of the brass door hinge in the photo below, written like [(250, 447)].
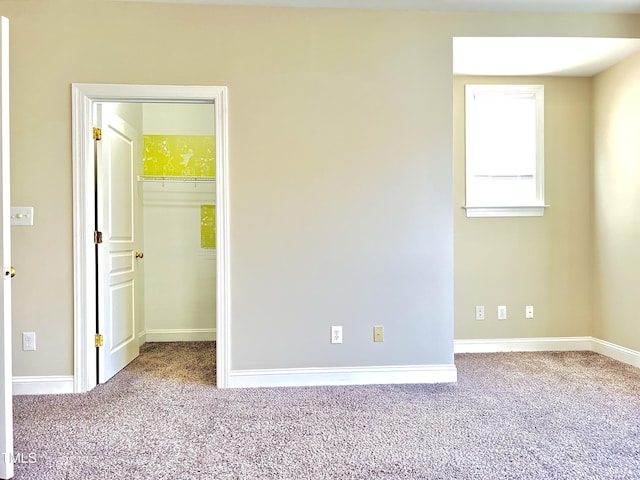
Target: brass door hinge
[(97, 133), (97, 237), (99, 340)]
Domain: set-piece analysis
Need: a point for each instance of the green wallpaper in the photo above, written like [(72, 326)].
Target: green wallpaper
[(207, 226), (179, 155)]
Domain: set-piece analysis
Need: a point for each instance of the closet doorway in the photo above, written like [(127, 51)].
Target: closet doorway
[(178, 222), (175, 211)]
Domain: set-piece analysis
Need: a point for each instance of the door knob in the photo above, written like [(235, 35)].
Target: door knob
[(139, 254), (10, 273)]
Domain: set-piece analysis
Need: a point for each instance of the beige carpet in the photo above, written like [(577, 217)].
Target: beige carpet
[(510, 416), (185, 362)]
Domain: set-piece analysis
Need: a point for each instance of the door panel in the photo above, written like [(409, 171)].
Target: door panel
[(122, 316), (120, 170), (117, 212)]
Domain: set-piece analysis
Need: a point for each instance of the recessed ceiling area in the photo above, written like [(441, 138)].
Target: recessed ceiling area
[(525, 56)]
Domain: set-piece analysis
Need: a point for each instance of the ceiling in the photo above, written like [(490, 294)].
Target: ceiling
[(592, 6), (581, 57)]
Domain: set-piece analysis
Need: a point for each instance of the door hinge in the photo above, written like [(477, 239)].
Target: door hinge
[(97, 133), (99, 340), (97, 237)]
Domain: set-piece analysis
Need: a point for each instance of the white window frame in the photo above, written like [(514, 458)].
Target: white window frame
[(537, 206)]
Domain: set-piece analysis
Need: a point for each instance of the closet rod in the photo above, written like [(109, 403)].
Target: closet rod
[(168, 179)]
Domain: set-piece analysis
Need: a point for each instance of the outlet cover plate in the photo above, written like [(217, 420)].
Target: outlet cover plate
[(336, 334), (502, 312), (378, 333), (28, 341)]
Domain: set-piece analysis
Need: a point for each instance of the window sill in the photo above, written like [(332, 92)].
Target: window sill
[(521, 211)]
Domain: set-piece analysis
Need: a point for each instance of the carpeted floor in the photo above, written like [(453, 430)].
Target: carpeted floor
[(570, 415)]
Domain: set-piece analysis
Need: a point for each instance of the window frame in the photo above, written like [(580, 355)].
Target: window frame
[(535, 208)]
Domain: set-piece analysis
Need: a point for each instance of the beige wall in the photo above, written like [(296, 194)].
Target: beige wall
[(617, 203), (541, 261), (340, 167)]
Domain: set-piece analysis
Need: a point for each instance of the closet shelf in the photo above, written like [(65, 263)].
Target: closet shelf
[(171, 179)]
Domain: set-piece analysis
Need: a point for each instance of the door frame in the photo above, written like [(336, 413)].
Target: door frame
[(6, 368), (84, 96)]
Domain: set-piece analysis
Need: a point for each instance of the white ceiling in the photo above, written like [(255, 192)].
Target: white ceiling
[(582, 57), (595, 6)]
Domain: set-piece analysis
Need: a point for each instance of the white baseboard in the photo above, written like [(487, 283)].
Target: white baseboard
[(43, 385), (311, 377), (622, 354), (306, 377), (545, 344), (550, 344), (178, 335)]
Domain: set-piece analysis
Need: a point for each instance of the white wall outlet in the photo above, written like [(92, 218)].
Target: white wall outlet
[(502, 312), (479, 312), (28, 341), (336, 334), (378, 333), (528, 311)]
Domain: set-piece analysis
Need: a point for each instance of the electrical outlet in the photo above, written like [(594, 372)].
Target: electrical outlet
[(28, 341), (479, 312), (528, 311), (336, 334), (378, 333), (502, 312)]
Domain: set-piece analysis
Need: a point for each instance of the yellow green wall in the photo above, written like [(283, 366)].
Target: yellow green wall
[(207, 226), (179, 155)]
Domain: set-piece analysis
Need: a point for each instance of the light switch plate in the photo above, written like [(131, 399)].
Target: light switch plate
[(22, 216)]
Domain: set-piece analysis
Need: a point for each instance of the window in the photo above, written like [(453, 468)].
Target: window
[(504, 150)]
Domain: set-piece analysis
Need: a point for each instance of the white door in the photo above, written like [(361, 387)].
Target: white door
[(116, 215), (6, 405)]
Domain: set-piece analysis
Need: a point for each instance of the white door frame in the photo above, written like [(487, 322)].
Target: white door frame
[(84, 96), (6, 388)]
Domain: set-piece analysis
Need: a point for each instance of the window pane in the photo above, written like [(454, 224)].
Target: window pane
[(501, 191), (501, 145), (503, 137)]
